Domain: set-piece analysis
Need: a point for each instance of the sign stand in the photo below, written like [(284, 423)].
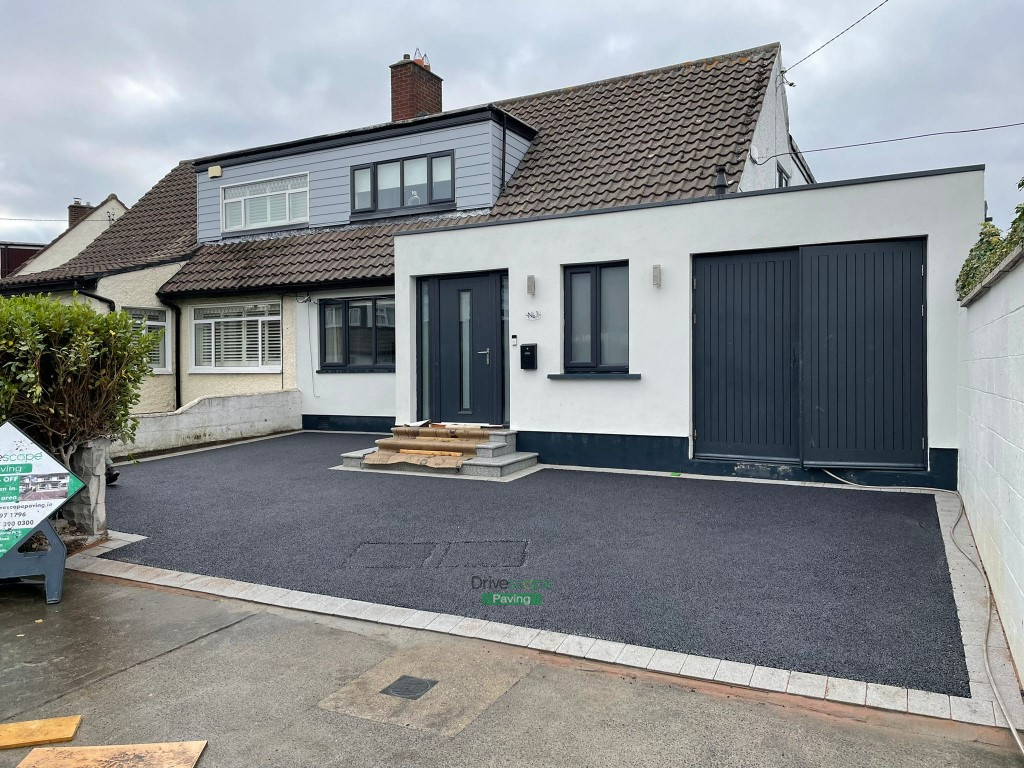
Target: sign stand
[(33, 485), (48, 564)]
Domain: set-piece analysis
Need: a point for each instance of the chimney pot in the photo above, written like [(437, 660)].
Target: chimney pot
[(78, 211), (415, 90)]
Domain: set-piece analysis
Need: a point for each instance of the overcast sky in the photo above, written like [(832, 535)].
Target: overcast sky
[(101, 97)]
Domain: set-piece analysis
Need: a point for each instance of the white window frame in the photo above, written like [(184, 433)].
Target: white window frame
[(165, 326), (244, 227), (193, 368)]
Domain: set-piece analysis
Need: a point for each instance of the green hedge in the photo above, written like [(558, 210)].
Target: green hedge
[(68, 373), (990, 250)]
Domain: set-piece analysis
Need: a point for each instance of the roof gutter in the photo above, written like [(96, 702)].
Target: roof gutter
[(111, 306)]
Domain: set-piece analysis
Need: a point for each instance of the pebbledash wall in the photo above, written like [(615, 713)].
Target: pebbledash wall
[(651, 417), (991, 423)]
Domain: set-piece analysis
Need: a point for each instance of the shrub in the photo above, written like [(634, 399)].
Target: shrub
[(990, 250), (69, 374)]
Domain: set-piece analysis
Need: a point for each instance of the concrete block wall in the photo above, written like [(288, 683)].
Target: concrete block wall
[(991, 429), (215, 419)]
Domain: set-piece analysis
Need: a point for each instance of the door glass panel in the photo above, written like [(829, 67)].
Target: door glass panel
[(360, 332), (441, 172), (416, 181), (615, 315), (424, 350), (579, 314), (385, 314), (389, 185), (465, 350)]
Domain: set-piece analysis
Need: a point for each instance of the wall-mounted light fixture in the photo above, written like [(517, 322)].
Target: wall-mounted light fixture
[(214, 172), (531, 284), (657, 276)]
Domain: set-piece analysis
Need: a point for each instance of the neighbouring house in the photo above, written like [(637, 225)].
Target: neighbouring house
[(86, 222), (13, 255), (636, 272)]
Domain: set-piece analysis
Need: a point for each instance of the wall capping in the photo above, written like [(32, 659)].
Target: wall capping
[(997, 274)]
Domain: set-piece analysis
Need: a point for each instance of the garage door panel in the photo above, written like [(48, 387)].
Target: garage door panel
[(745, 337), (862, 354)]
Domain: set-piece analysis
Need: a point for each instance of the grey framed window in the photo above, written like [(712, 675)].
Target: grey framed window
[(782, 178), (407, 183), (597, 318), (357, 335)]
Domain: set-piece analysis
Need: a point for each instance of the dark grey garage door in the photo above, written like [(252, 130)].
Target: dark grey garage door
[(814, 355), (746, 339)]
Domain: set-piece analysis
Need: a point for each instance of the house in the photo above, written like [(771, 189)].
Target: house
[(13, 255), (637, 272), (85, 223)]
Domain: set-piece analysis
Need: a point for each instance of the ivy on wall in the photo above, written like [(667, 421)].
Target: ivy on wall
[(990, 250)]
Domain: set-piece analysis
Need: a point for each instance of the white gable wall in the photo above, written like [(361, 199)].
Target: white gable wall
[(771, 137), (75, 240)]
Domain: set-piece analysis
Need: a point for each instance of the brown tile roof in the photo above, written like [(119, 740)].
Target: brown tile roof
[(641, 138), (357, 252), (647, 137), (160, 227)]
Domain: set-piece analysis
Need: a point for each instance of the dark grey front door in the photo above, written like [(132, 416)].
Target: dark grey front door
[(470, 352)]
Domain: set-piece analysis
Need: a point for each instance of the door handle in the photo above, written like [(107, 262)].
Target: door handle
[(488, 353)]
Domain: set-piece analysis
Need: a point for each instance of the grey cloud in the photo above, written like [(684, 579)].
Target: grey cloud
[(106, 96)]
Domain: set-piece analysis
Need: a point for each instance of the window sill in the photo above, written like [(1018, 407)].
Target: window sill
[(233, 370), (359, 369), (161, 372), (411, 210), (596, 376), (225, 233)]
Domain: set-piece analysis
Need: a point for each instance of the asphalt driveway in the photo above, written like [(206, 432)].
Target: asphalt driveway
[(833, 581)]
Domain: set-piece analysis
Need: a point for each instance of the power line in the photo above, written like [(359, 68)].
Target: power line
[(8, 218), (858, 21), (888, 141)]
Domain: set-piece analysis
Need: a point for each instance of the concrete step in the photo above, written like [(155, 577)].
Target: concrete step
[(499, 466), (354, 459), (450, 445), (457, 433)]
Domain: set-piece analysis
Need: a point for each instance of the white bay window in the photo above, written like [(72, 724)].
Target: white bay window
[(237, 338), (267, 203)]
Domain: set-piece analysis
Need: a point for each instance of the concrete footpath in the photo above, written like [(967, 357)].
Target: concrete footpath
[(281, 688)]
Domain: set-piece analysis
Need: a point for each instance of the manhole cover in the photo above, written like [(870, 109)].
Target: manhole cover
[(408, 687)]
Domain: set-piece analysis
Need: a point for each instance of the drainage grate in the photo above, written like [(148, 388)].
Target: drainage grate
[(409, 687)]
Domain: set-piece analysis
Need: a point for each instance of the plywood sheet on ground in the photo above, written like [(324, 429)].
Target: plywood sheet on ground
[(177, 754), (31, 733)]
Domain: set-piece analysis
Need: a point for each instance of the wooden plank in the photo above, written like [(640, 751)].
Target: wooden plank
[(430, 453), (31, 733), (179, 754)]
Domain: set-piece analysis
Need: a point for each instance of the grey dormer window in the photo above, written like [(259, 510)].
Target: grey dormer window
[(407, 183), (266, 203)]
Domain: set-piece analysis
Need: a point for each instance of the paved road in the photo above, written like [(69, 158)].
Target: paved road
[(280, 688), (838, 582)]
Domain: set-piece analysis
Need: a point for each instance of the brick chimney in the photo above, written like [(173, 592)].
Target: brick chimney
[(415, 90), (78, 211)]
